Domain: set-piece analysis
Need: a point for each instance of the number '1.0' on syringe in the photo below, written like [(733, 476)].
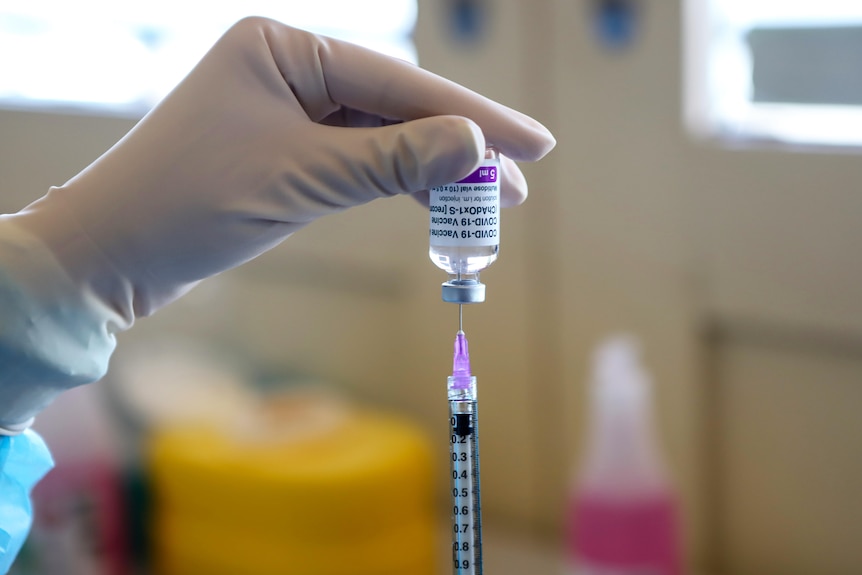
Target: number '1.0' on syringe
[(464, 443)]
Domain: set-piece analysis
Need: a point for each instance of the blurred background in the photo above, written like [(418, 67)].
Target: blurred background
[(704, 196)]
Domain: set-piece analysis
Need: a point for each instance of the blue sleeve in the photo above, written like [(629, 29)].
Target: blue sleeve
[(24, 459), (53, 336)]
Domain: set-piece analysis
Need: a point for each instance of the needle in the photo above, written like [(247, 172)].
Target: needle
[(460, 310)]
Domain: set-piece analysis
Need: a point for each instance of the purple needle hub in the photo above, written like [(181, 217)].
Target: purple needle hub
[(461, 376)]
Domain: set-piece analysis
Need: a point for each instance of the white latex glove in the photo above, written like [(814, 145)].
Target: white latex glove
[(274, 128)]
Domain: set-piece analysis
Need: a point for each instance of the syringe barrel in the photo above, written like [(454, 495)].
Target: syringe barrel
[(458, 391), (466, 492)]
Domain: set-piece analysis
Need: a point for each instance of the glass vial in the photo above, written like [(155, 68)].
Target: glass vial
[(465, 229)]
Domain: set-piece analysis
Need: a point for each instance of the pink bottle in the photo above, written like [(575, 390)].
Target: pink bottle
[(622, 516)]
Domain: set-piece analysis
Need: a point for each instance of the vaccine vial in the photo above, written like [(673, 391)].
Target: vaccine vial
[(465, 229)]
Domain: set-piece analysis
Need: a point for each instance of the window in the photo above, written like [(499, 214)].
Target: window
[(773, 70), (119, 58)]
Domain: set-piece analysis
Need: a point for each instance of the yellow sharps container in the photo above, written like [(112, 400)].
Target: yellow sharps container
[(309, 488)]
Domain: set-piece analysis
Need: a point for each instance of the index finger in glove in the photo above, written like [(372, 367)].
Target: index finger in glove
[(323, 73)]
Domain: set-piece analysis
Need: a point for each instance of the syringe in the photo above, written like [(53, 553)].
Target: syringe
[(464, 239), (464, 444)]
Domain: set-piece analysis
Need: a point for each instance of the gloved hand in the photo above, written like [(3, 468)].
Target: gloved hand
[(274, 128)]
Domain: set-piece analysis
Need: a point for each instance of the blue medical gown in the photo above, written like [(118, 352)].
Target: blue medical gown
[(24, 460)]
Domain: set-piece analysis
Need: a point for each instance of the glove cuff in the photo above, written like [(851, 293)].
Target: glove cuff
[(16, 428), (54, 334)]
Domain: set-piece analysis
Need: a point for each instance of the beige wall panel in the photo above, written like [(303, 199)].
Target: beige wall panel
[(39, 150), (779, 233), (790, 459)]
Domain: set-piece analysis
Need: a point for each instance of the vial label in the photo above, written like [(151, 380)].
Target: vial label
[(467, 212)]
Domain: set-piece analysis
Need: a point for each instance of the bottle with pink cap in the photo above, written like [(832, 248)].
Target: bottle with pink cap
[(622, 517)]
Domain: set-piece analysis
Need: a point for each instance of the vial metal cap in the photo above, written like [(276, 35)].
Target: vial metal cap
[(463, 291)]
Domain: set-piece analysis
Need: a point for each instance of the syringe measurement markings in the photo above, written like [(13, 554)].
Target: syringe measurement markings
[(462, 475), (466, 538), (476, 490)]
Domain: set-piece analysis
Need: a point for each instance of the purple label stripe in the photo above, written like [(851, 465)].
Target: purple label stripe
[(483, 175)]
